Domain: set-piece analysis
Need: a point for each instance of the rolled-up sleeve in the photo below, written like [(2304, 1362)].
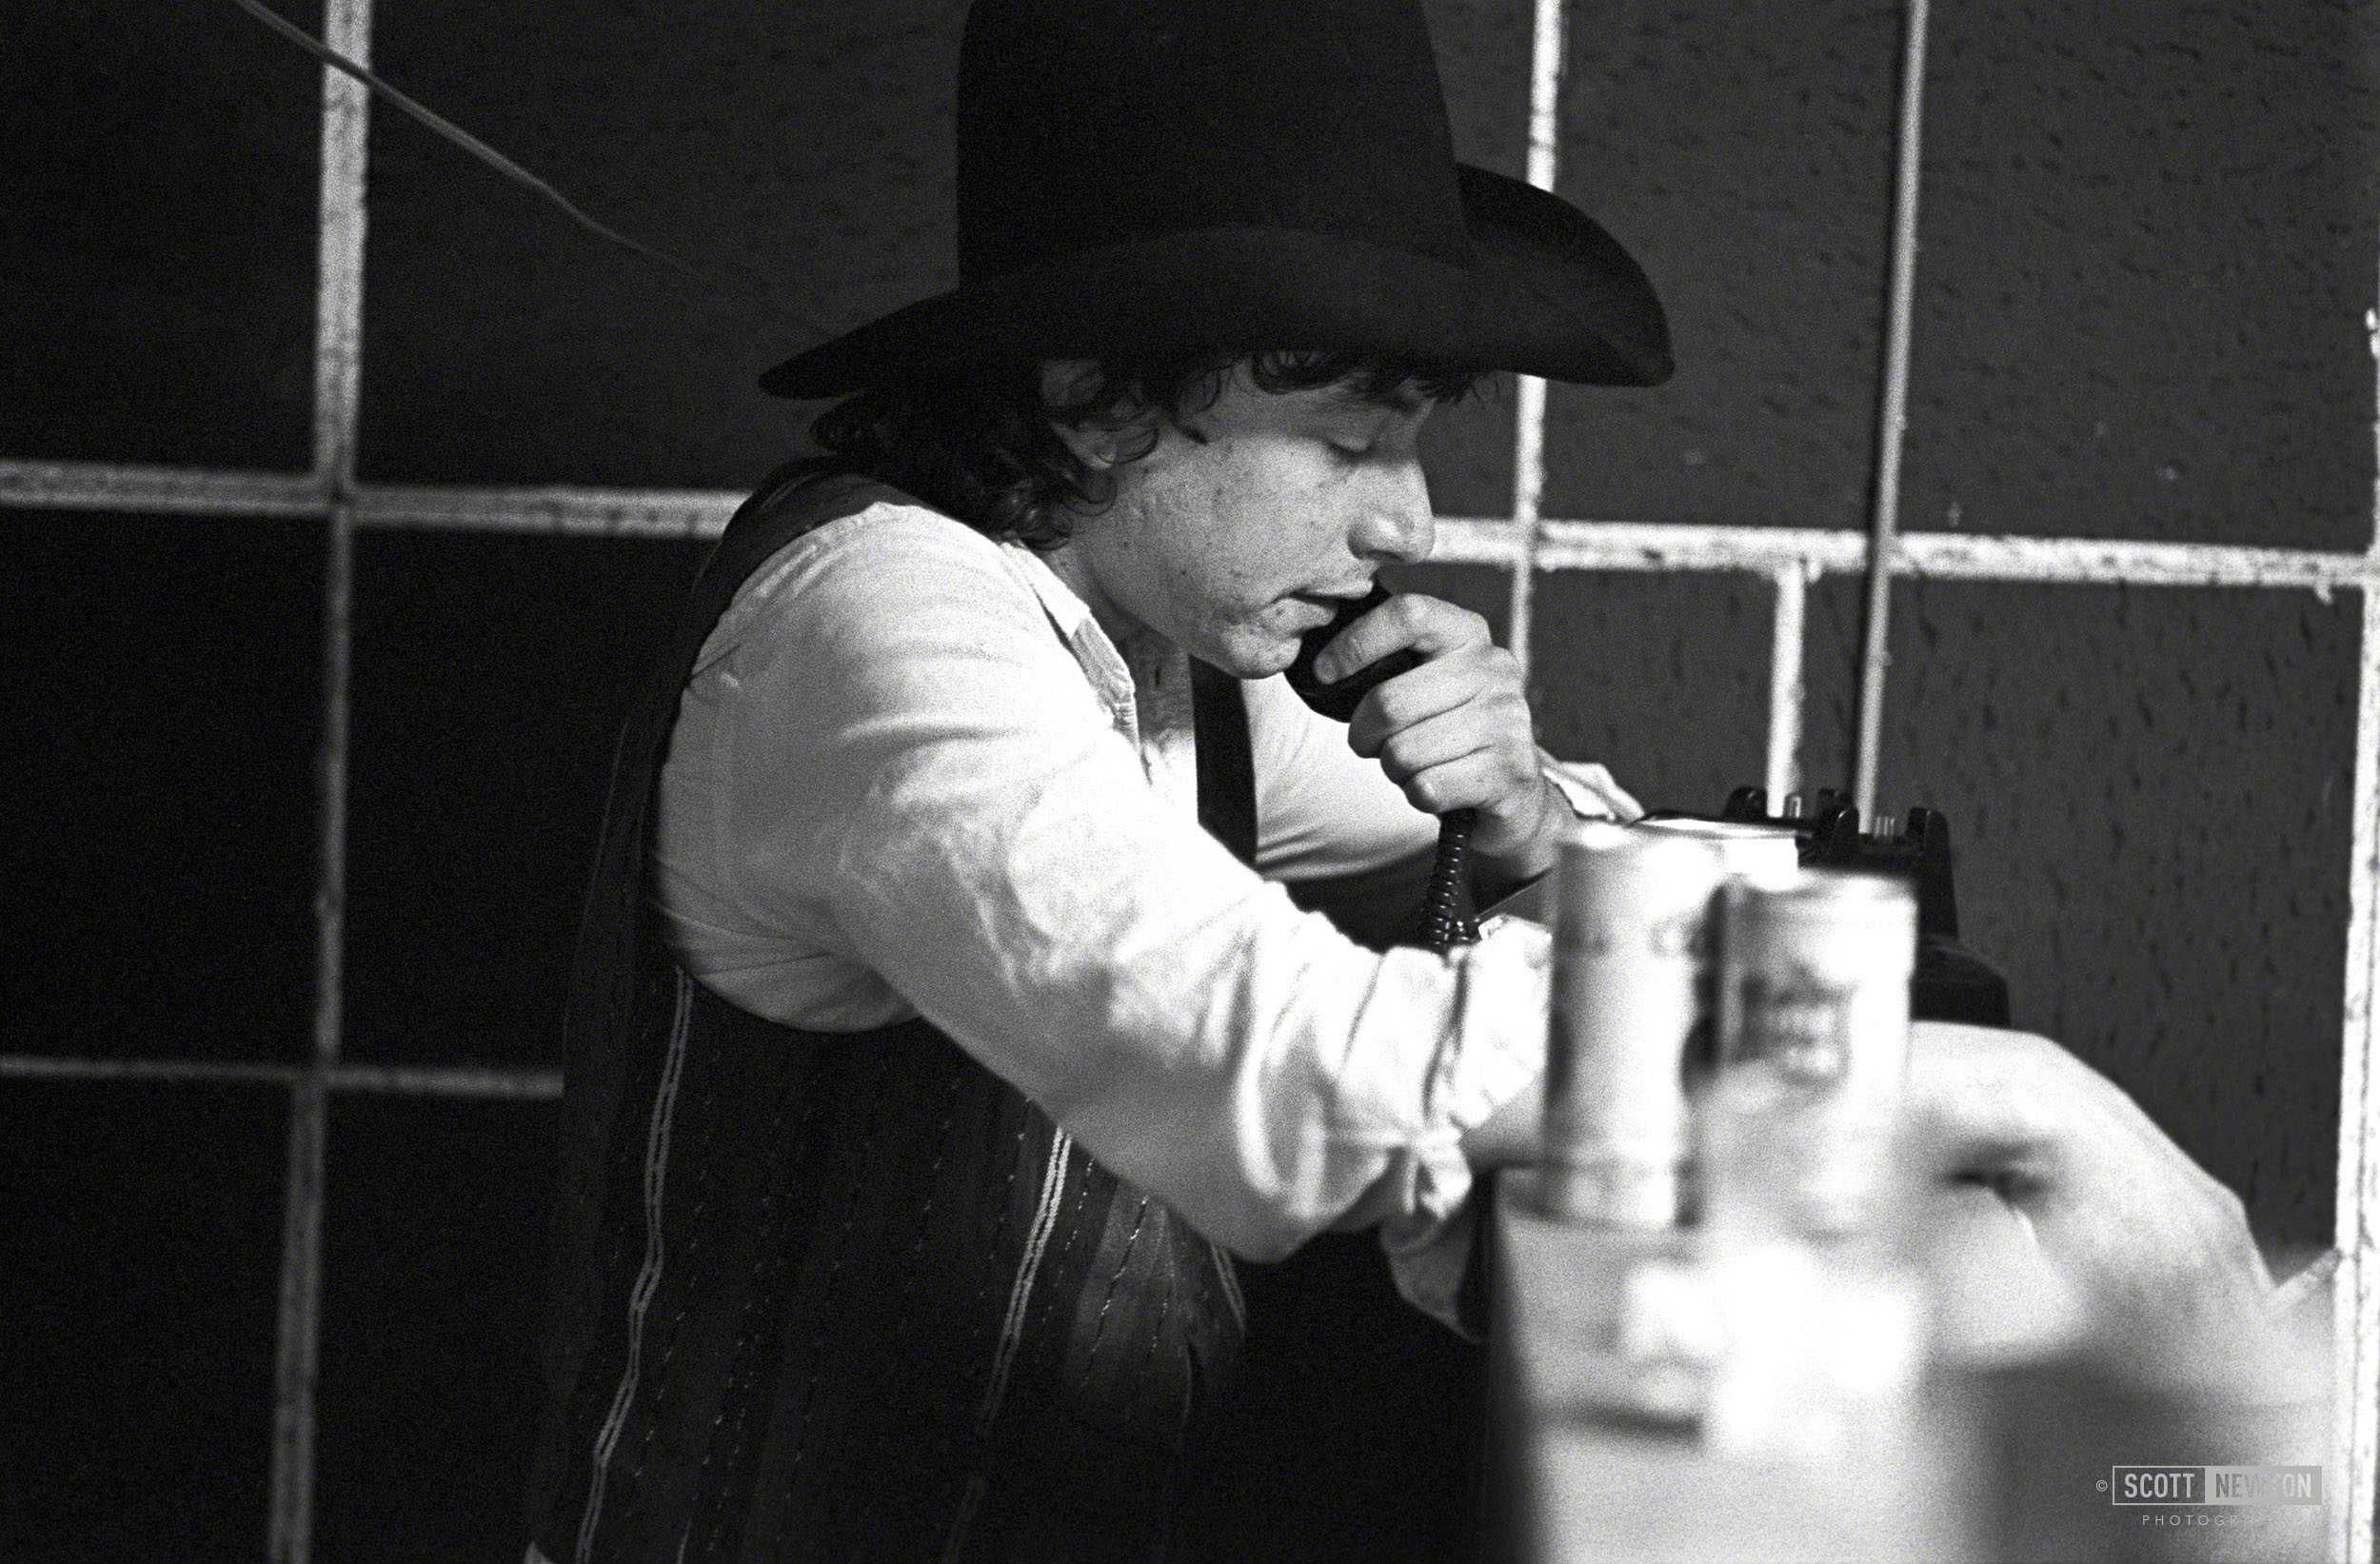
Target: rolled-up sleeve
[(915, 777)]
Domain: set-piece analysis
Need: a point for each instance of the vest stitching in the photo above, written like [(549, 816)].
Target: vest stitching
[(861, 1165), (1228, 1272), (1000, 1223), (1168, 1242), (701, 1166), (648, 1274), (743, 1371), (1076, 1225), (904, 1338), (968, 1503), (1107, 1302), (1012, 1328)]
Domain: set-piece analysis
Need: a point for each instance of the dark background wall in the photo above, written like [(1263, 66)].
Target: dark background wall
[(2148, 244)]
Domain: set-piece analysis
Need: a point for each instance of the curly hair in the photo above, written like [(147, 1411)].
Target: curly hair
[(983, 447)]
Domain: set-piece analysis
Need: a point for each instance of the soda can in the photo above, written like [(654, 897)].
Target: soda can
[(1813, 1037), (1631, 952)]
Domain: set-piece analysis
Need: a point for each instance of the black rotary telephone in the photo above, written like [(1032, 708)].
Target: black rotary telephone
[(1444, 923)]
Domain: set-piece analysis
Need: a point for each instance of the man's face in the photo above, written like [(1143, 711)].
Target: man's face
[(1233, 538)]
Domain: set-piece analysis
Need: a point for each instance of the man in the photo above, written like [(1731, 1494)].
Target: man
[(944, 1027)]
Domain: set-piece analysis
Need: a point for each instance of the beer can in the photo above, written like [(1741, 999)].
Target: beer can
[(1631, 980), (1813, 1041)]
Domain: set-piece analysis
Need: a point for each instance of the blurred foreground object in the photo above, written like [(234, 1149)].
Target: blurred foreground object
[(2008, 1447), (1631, 984), (1945, 1291), (1951, 982)]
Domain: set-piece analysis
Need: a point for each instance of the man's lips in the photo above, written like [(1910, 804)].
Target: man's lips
[(1328, 606)]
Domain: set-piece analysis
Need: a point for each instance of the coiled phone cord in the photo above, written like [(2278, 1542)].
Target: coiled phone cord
[(1444, 925)]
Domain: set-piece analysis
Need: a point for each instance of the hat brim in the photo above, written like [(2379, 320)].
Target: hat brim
[(1548, 292)]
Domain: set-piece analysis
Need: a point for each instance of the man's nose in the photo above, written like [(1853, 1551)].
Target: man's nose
[(1395, 522)]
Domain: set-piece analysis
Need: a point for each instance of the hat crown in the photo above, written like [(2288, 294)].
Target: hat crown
[(1084, 125)]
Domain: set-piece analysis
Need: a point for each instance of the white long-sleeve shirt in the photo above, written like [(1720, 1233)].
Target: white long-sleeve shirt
[(911, 774)]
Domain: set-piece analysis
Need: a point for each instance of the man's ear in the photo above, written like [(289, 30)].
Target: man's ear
[(1100, 444)]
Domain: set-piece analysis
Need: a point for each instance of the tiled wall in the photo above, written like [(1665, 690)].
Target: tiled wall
[(2148, 243)]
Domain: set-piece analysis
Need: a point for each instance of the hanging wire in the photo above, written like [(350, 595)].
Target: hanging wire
[(739, 298)]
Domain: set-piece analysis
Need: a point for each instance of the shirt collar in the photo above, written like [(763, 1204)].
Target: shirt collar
[(1110, 673), (1081, 630), (1065, 607)]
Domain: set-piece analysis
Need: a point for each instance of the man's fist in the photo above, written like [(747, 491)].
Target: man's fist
[(1453, 732)]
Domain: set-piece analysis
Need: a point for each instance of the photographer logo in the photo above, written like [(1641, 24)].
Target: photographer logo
[(2180, 1487)]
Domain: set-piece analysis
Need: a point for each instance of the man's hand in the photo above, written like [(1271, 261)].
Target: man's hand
[(2054, 1190), (1455, 733), (2052, 1213)]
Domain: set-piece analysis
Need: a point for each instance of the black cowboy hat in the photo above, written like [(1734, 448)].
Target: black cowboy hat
[(1242, 175)]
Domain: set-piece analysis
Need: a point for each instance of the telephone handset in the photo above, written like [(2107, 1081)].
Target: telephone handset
[(1337, 701), (1444, 925)]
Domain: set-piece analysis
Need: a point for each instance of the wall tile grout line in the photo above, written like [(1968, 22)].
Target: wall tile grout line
[(1517, 553), (449, 1080), (2355, 1302), (105, 486), (339, 302), (1785, 636), (664, 513), (338, 367), (2355, 1299), (1545, 129), (296, 1355), (1662, 545), (1566, 545), (208, 1072), (459, 1080)]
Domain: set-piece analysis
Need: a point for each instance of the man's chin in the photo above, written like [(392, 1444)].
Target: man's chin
[(1250, 655), (1262, 662)]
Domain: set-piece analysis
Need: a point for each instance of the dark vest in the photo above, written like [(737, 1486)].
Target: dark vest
[(835, 1295)]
